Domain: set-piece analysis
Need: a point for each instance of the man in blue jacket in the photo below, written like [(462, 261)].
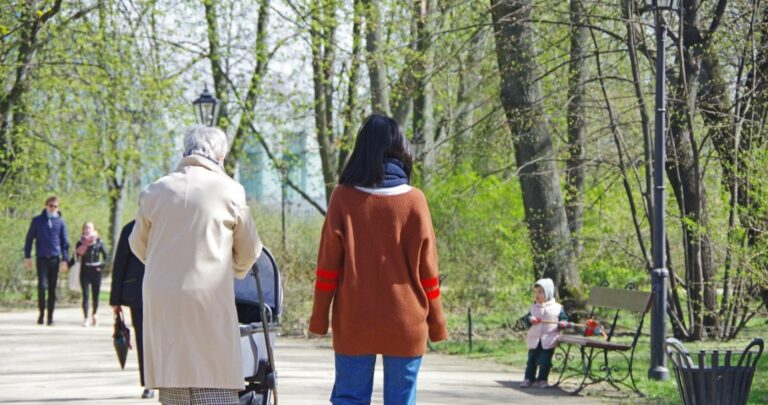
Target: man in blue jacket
[(49, 232)]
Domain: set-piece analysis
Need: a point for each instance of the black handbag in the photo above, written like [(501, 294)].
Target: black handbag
[(121, 338)]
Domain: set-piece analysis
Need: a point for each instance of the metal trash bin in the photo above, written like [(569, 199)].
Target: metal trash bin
[(714, 377)]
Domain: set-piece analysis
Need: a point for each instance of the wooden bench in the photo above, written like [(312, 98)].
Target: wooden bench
[(597, 359)]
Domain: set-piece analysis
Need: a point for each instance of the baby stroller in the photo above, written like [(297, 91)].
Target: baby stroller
[(259, 302)]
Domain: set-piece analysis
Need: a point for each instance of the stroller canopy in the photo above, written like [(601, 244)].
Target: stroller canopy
[(246, 292)]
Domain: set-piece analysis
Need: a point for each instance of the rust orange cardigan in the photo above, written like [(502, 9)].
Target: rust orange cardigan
[(377, 265)]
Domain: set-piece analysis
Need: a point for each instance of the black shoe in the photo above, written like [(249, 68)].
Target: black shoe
[(40, 319), (147, 394), (50, 322)]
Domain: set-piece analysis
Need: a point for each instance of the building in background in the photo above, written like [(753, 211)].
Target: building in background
[(299, 161)]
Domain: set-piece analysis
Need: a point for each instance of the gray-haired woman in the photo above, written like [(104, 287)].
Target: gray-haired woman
[(192, 229)]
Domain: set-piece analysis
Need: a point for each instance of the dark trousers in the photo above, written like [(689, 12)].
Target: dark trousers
[(136, 320), (47, 276), (90, 277), (541, 357)]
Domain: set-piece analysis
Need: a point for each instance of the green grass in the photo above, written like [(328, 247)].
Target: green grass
[(494, 337)]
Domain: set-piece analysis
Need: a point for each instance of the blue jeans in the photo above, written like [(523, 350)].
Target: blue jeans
[(354, 380)]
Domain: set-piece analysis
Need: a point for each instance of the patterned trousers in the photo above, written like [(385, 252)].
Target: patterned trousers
[(198, 396)]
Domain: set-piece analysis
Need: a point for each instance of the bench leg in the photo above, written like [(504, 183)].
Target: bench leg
[(632, 375), (566, 352), (587, 369), (613, 379)]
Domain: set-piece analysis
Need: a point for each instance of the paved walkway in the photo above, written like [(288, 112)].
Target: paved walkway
[(69, 364)]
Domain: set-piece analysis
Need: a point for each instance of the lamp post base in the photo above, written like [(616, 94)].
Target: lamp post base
[(659, 373)]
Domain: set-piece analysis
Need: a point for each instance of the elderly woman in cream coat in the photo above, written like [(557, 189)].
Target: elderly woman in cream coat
[(193, 232)]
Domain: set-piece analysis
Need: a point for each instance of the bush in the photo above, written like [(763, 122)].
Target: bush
[(296, 260), (482, 242)]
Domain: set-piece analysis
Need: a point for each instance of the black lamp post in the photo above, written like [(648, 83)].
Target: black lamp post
[(206, 108), (659, 274)]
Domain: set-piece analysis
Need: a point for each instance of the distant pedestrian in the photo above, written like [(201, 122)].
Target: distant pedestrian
[(194, 232), (49, 234), (377, 270), (93, 256), (127, 277), (545, 320)]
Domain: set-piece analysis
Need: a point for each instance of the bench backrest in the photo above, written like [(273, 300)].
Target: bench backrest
[(623, 299), (620, 300)]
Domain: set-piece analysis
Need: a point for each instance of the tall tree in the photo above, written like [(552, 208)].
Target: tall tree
[(254, 90), (322, 33), (577, 126), (737, 133), (377, 73), (685, 172), (22, 43), (534, 154), (217, 58), (423, 106)]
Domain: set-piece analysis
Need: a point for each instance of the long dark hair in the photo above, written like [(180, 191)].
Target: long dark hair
[(378, 138)]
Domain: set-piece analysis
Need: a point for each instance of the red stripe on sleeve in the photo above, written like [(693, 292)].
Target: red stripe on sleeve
[(323, 286), (429, 282), (328, 274), (433, 294)]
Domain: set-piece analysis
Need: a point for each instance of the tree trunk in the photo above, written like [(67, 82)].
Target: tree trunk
[(534, 153), (687, 181), (423, 113), (116, 199), (350, 110), (377, 71), (576, 164), (217, 64), (254, 89), (322, 67)]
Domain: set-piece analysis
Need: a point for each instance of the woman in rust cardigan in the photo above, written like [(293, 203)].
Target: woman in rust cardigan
[(377, 269)]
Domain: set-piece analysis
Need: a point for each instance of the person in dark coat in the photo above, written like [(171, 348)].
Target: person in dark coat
[(127, 277), (49, 234)]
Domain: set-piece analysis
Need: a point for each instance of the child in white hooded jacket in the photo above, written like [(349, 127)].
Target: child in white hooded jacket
[(545, 320)]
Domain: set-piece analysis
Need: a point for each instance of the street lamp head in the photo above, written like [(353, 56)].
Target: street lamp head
[(672, 5), (206, 108)]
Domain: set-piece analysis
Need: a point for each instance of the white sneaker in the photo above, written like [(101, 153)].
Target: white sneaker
[(86, 323), (94, 321)]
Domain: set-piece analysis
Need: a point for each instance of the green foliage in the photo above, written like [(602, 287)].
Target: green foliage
[(482, 241), (16, 283)]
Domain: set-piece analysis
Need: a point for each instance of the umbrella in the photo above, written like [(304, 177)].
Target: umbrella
[(122, 338)]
